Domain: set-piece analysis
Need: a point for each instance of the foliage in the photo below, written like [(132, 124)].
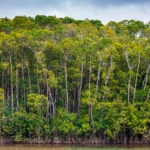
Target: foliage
[(65, 78)]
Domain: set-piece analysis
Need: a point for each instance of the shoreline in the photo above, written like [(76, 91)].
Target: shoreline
[(75, 142)]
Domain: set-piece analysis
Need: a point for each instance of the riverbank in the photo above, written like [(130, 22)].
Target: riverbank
[(75, 141)]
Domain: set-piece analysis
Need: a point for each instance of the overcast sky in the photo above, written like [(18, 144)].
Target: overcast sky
[(104, 10)]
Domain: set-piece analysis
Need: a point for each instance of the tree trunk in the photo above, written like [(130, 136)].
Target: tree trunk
[(37, 75), (148, 96), (137, 73), (29, 78), (24, 88), (17, 100), (129, 85), (107, 79), (48, 102), (89, 99), (11, 84), (48, 89), (28, 71), (146, 77), (98, 77), (80, 89), (51, 101), (130, 69), (66, 82)]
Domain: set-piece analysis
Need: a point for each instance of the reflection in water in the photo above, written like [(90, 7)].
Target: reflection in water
[(60, 147), (30, 147)]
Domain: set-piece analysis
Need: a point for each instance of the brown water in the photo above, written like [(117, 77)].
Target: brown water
[(70, 147)]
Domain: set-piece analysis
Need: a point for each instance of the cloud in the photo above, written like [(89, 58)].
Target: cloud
[(106, 14), (104, 10), (29, 3), (61, 3), (115, 2)]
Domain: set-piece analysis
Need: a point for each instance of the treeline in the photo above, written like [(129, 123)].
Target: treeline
[(67, 79)]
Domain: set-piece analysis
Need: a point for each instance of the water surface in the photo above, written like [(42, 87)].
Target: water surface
[(71, 147)]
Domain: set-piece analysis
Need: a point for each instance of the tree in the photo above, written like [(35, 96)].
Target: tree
[(6, 25), (22, 22), (37, 109)]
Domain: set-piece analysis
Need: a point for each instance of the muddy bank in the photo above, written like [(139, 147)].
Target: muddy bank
[(75, 141)]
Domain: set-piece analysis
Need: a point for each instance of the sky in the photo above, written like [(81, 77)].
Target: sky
[(104, 10)]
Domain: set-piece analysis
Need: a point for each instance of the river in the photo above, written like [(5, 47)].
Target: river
[(71, 147)]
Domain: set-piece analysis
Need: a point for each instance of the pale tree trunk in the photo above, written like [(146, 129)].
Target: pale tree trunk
[(146, 77), (80, 86), (90, 71), (23, 78), (11, 86), (66, 82), (49, 94), (29, 80), (80, 89), (17, 101), (107, 79), (137, 73), (28, 71), (129, 85), (89, 98), (130, 77), (37, 75), (148, 96), (98, 77), (50, 101), (145, 82)]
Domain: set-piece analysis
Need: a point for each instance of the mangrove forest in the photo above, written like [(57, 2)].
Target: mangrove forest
[(78, 81)]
